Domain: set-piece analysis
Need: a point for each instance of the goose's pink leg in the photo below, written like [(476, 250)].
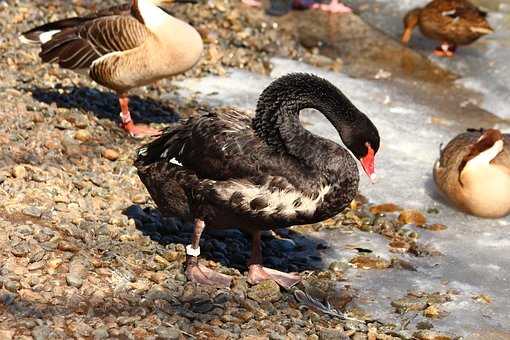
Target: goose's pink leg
[(195, 271), (252, 3), (258, 273), (334, 7), (127, 123)]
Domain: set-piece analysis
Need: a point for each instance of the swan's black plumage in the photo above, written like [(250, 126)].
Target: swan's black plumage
[(232, 171)]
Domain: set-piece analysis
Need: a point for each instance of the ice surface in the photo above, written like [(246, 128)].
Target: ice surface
[(476, 252), (483, 66)]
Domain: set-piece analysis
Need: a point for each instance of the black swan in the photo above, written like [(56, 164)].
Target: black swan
[(227, 170)]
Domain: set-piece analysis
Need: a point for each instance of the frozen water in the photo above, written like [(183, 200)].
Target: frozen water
[(476, 252), (483, 66)]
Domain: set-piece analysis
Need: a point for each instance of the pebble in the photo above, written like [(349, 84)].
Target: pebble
[(370, 262), (82, 135), (170, 333), (267, 290), (110, 154), (332, 334), (19, 171), (74, 280), (412, 217), (409, 303), (33, 211), (430, 335)]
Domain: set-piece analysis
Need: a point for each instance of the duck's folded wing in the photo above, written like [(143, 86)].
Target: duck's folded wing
[(77, 47)]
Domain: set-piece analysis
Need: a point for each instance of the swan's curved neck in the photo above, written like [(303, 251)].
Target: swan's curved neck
[(277, 118)]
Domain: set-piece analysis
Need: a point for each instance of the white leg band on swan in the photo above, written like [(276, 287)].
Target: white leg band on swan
[(192, 251)]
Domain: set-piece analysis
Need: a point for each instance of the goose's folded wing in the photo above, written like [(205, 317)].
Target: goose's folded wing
[(36, 34), (78, 47)]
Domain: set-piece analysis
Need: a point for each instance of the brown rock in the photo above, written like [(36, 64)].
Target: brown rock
[(82, 135), (369, 262), (412, 217), (384, 208), (110, 154), (267, 290)]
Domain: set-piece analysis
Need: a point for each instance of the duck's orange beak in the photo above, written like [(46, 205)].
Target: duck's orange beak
[(368, 162)]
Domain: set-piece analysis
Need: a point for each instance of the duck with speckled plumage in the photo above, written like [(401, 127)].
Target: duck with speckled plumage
[(451, 22)]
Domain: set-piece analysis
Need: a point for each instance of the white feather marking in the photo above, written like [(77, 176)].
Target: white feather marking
[(142, 151), (448, 13), (175, 161), (488, 155), (276, 199), (152, 15), (98, 60), (46, 36), (164, 154)]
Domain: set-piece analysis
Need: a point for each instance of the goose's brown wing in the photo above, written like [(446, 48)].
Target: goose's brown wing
[(78, 47)]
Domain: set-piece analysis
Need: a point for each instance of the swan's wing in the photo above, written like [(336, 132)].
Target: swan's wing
[(219, 146)]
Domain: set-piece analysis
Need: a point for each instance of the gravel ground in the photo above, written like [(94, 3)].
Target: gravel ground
[(84, 253)]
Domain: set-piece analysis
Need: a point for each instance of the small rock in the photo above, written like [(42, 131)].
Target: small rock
[(139, 199), (384, 208), (399, 246), (434, 227), (110, 154), (369, 262), (430, 335), (82, 135), (267, 290), (19, 171), (409, 303), (74, 280), (412, 217), (41, 333), (11, 285), (32, 211), (100, 333), (6, 334), (168, 332), (431, 312), (332, 334)]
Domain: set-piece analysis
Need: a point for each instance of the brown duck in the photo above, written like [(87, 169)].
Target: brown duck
[(473, 172), (230, 170), (121, 48), (451, 22)]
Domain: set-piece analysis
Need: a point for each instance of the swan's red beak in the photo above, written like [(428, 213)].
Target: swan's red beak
[(367, 162)]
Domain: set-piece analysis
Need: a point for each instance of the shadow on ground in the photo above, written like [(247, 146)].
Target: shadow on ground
[(105, 104), (287, 251)]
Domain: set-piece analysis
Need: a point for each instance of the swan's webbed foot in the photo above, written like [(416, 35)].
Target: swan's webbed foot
[(258, 273), (198, 273)]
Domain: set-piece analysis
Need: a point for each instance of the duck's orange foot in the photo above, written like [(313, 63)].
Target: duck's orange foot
[(140, 130), (200, 274), (252, 3), (445, 50), (334, 7), (257, 273)]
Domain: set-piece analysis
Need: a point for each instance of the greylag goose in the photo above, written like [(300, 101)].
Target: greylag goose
[(473, 172), (227, 170), (122, 47), (452, 22)]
